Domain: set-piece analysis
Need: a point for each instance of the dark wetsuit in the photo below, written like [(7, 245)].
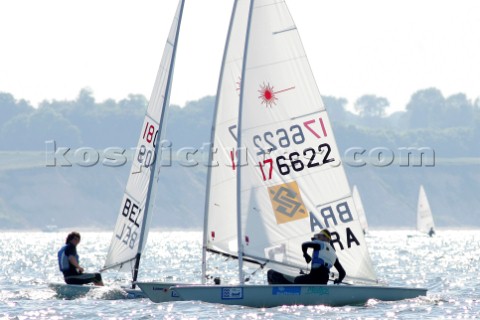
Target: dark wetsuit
[(72, 276), (320, 275), (320, 270)]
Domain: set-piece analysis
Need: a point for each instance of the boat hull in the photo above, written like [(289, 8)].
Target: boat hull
[(134, 293), (278, 295), (159, 291)]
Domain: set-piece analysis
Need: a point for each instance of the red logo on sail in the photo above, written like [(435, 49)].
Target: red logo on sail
[(268, 96)]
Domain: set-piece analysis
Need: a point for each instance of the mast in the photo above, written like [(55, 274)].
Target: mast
[(210, 156), (154, 172), (239, 150)]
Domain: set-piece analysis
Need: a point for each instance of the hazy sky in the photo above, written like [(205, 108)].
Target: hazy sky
[(50, 49)]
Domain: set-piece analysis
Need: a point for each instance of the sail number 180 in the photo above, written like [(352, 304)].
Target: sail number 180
[(146, 155), (150, 134)]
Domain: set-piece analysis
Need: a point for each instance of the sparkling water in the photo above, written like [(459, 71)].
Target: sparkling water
[(447, 264)]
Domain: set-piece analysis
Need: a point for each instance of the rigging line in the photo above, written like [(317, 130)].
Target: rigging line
[(228, 255), (117, 265), (261, 266), (259, 260)]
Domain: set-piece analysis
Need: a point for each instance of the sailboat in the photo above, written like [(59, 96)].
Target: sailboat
[(220, 231), (289, 181), (360, 211), (425, 223), (132, 226)]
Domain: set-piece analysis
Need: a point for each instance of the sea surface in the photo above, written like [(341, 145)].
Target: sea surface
[(448, 264)]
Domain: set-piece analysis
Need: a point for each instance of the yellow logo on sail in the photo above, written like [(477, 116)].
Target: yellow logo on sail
[(287, 202)]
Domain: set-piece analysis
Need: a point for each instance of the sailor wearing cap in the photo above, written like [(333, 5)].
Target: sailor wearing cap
[(323, 259)]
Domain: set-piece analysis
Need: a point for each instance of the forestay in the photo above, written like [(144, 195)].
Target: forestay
[(294, 183), (424, 213), (131, 229)]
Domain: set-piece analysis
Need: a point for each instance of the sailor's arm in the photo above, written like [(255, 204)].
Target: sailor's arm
[(75, 263), (305, 246), (341, 271), (310, 244)]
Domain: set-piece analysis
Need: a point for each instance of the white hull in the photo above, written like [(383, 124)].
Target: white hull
[(134, 293), (278, 295), (159, 291)]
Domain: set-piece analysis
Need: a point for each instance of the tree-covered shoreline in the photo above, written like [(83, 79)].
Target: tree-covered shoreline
[(450, 125), (33, 194)]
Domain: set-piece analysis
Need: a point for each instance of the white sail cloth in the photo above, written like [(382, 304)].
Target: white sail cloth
[(360, 210), (294, 183), (131, 229), (424, 213), (221, 226)]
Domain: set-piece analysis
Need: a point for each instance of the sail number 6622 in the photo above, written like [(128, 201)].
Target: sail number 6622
[(296, 164)]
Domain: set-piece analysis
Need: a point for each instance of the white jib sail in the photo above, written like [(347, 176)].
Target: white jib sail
[(221, 226), (294, 183), (424, 214), (360, 211), (130, 233)]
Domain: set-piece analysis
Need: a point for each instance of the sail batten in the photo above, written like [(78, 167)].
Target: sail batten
[(309, 114), (285, 30), (151, 117)]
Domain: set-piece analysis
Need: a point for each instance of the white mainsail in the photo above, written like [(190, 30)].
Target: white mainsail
[(424, 213), (294, 183), (360, 211), (131, 229)]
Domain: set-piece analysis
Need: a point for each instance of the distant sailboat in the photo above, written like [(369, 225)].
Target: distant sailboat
[(425, 222), (360, 211)]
